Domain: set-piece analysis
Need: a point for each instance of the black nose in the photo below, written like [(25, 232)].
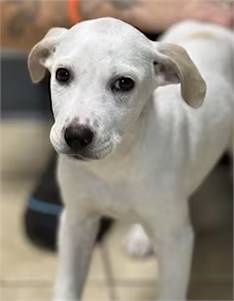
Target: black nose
[(78, 137)]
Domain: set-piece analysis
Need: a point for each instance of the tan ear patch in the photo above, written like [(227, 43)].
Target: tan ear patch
[(193, 86), (35, 63), (41, 52)]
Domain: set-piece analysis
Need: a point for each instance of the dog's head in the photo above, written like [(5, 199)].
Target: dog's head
[(102, 73)]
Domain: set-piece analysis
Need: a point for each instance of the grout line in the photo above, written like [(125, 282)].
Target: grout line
[(113, 282), (39, 283)]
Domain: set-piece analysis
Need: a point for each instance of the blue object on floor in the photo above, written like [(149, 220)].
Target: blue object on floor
[(44, 207)]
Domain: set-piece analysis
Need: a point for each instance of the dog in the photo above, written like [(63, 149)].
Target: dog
[(138, 126)]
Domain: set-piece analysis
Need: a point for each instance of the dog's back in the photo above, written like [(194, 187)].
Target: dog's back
[(208, 129)]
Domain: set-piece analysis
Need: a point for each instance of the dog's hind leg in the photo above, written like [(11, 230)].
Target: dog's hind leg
[(137, 243), (76, 238)]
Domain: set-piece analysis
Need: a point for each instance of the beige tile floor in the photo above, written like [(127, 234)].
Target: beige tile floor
[(27, 273)]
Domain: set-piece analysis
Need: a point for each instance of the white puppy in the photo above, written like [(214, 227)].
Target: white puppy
[(129, 149)]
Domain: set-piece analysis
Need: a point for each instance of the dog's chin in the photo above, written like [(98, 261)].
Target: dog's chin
[(92, 155), (79, 157)]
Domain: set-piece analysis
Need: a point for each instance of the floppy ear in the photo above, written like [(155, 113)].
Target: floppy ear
[(172, 65), (40, 56)]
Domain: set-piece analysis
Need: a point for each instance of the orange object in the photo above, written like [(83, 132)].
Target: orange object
[(73, 11)]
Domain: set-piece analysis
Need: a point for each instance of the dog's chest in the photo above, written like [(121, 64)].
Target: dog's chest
[(121, 194), (130, 191), (122, 198)]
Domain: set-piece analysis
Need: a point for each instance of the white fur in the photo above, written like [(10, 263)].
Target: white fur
[(157, 150), (137, 243)]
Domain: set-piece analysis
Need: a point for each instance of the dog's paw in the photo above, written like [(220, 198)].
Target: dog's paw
[(137, 243)]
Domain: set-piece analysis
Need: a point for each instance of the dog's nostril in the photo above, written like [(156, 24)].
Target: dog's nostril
[(78, 137)]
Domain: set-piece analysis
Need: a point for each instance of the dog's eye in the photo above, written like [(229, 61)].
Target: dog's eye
[(122, 84), (62, 75)]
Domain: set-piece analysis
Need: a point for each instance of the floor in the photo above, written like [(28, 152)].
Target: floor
[(27, 272)]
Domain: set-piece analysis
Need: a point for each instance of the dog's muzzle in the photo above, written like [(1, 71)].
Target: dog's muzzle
[(83, 143)]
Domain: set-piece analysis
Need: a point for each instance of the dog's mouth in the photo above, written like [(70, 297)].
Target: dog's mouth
[(96, 154), (80, 157)]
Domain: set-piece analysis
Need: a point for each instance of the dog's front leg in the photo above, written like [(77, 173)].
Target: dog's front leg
[(174, 263), (76, 238), (173, 242), (174, 255)]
